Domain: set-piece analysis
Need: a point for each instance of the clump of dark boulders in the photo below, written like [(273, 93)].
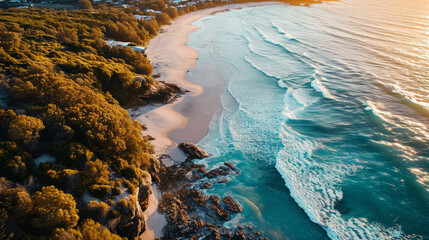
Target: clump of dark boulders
[(190, 213), (231, 166), (239, 235), (232, 205), (216, 173), (222, 181), (221, 212), (193, 151)]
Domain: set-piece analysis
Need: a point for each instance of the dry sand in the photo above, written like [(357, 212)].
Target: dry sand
[(188, 118)]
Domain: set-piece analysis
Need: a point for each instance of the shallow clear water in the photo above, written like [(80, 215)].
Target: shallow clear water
[(326, 114)]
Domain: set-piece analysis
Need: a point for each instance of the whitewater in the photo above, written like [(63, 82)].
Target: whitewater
[(325, 113)]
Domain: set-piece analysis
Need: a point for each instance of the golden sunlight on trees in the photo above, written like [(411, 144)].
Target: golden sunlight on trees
[(67, 36), (53, 209), (94, 231), (13, 160), (85, 4), (163, 18), (89, 230), (25, 129), (95, 175), (172, 12)]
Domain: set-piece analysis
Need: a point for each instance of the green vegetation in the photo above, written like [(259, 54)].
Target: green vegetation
[(66, 87)]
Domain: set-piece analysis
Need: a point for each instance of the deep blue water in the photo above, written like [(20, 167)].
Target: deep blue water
[(326, 114)]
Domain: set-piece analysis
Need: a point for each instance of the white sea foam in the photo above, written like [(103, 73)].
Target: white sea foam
[(412, 96), (287, 35), (317, 85), (375, 108), (296, 101), (314, 186)]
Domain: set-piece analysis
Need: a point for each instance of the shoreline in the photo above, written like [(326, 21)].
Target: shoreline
[(186, 119)]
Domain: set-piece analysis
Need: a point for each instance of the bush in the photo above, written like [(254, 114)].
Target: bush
[(163, 18), (89, 230), (53, 209), (85, 4), (97, 210), (16, 201), (13, 160), (25, 129)]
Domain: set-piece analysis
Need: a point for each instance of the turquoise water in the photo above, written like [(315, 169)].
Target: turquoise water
[(326, 114)]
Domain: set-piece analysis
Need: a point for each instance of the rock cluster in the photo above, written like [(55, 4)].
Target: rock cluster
[(190, 213), (158, 92), (193, 151), (232, 205)]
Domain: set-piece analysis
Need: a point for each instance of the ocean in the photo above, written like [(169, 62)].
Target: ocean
[(325, 114)]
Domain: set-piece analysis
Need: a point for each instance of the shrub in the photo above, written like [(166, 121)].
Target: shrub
[(13, 160), (25, 129), (53, 209), (16, 201)]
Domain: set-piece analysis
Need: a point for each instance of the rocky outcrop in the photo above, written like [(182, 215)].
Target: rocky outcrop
[(231, 166), (126, 218), (157, 92), (156, 167), (217, 207), (232, 205), (216, 173), (144, 191), (190, 213), (193, 151), (161, 92)]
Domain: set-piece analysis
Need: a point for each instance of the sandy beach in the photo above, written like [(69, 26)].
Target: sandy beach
[(187, 119)]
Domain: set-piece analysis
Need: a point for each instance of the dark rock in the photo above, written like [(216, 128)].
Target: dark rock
[(215, 200), (143, 196), (232, 205), (213, 233), (130, 223), (231, 166), (222, 181), (193, 151), (216, 173), (160, 92), (223, 168), (221, 212), (207, 185), (197, 197), (150, 138), (156, 167), (239, 235)]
